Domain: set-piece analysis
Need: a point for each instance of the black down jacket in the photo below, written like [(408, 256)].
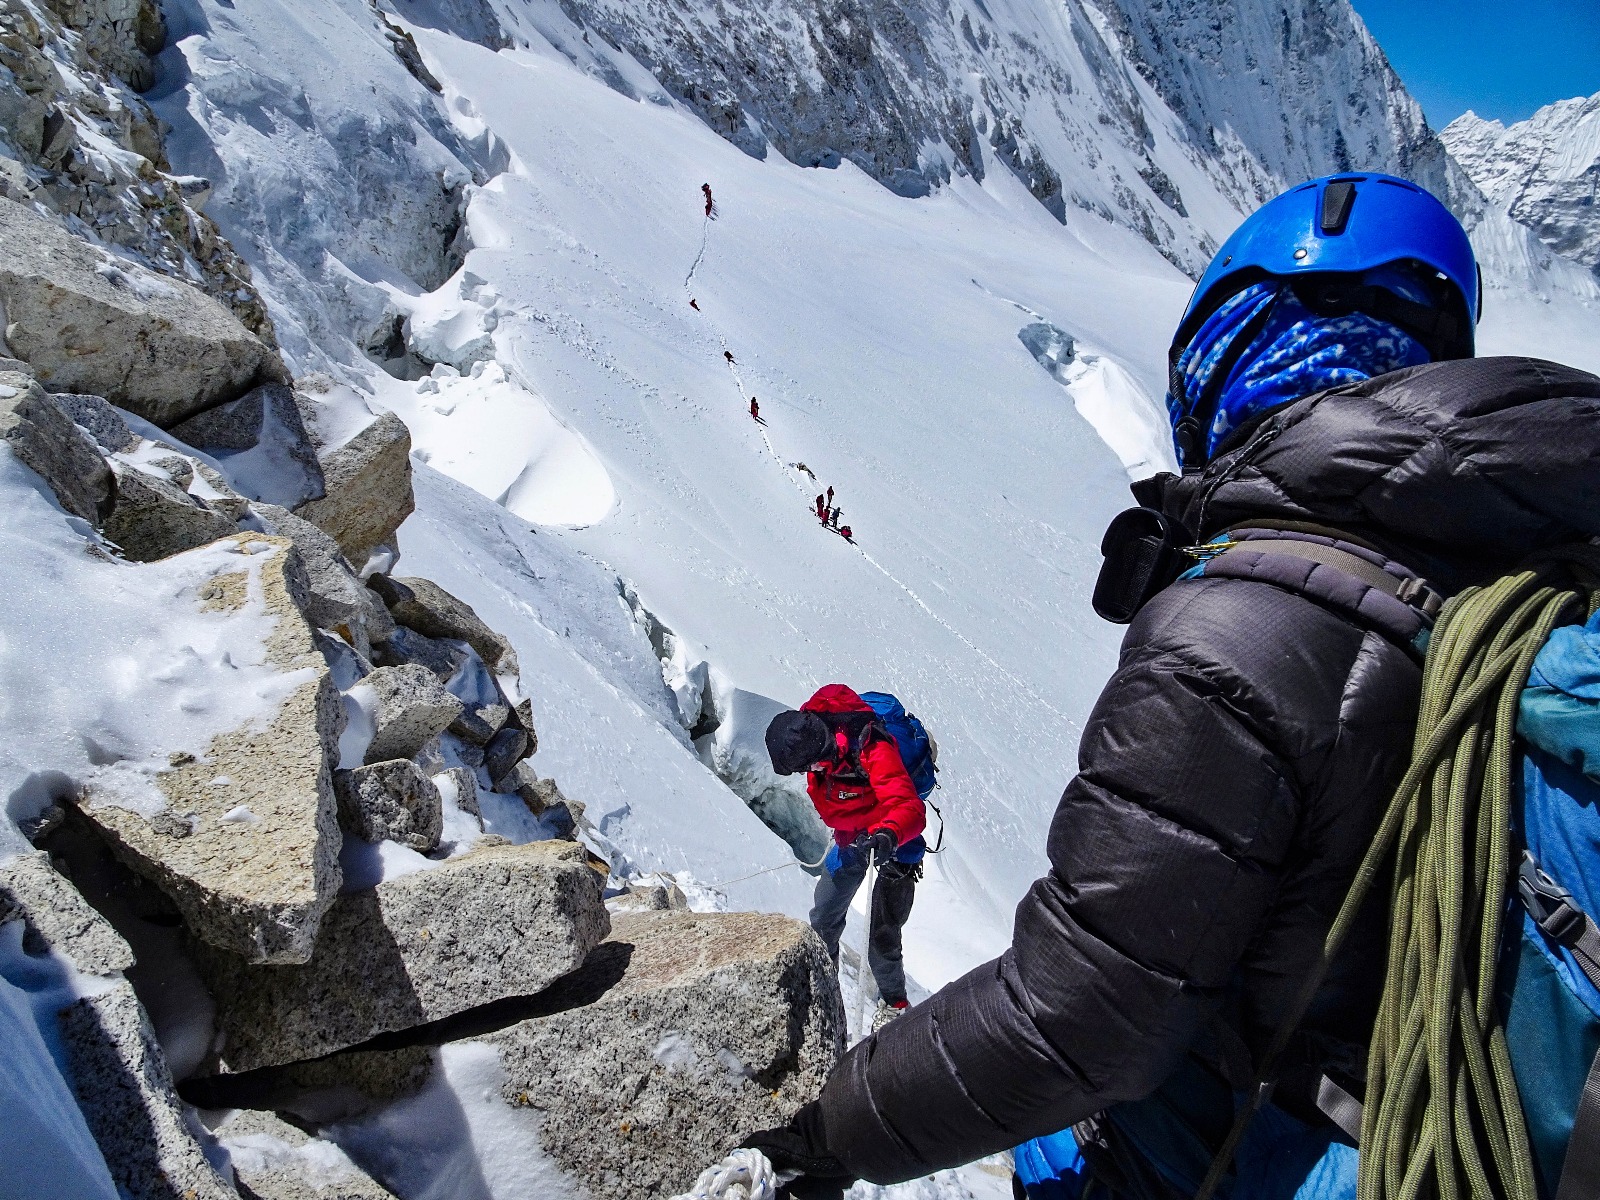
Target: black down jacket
[(1231, 775)]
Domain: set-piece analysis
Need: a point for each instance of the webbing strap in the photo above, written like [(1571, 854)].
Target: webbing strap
[(1340, 1107), (1580, 1177), (1411, 591), (1558, 918), (1563, 922)]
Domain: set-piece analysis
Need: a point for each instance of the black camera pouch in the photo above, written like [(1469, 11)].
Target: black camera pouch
[(1143, 551)]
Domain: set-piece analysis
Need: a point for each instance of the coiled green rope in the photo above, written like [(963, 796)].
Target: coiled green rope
[(1442, 1117)]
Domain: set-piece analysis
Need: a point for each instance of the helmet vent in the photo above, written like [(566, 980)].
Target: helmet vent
[(1338, 198)]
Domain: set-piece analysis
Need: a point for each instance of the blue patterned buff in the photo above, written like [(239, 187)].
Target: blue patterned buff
[(1290, 353)]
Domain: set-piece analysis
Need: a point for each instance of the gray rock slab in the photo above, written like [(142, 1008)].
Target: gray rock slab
[(277, 1161), (499, 921), (423, 605), (706, 1025), (390, 800), (368, 489), (59, 917), (504, 751), (150, 1140), (261, 441), (153, 518), (412, 708), (524, 783), (337, 596), (86, 322), (259, 863), (99, 419), (649, 897), (404, 645), (45, 439)]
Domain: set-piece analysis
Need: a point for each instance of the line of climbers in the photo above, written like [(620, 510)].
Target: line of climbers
[(870, 767), (1284, 948), (827, 515)]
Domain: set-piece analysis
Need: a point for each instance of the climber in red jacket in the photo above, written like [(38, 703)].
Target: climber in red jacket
[(862, 792)]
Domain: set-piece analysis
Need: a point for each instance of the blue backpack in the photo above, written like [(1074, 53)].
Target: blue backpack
[(916, 747)]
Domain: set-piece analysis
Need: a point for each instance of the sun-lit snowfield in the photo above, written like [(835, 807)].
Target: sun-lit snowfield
[(880, 337)]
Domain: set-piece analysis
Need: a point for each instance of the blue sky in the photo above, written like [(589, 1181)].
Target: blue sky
[(1500, 60)]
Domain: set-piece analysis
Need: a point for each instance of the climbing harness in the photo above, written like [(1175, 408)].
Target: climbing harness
[(743, 1175), (1441, 1100)]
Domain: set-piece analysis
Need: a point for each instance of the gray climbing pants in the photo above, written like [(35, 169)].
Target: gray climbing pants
[(892, 896)]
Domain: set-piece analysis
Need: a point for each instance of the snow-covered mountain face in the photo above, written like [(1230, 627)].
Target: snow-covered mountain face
[(1544, 171), (956, 318)]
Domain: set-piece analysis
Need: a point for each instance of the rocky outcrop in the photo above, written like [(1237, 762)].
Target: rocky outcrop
[(150, 1141), (247, 846), (154, 518), (87, 322), (276, 1161), (337, 599), (368, 489), (113, 1063), (46, 440), (79, 141), (424, 606), (262, 442), (391, 801), (410, 709), (98, 419), (121, 35), (497, 922), (712, 1024), (33, 891)]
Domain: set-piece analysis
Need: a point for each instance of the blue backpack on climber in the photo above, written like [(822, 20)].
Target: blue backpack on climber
[(918, 751)]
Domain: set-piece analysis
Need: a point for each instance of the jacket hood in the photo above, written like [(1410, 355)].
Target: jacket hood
[(1458, 469), (835, 698)]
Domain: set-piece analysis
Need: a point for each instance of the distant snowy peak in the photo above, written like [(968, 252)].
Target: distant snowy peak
[(1544, 171), (1168, 117), (1278, 91)]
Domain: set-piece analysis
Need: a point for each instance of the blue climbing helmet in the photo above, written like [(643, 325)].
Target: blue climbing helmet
[(1358, 258)]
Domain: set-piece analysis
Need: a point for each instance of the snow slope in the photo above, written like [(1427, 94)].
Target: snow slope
[(576, 386), (957, 460), (1544, 171)]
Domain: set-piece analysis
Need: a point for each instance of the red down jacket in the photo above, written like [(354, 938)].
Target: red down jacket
[(880, 796)]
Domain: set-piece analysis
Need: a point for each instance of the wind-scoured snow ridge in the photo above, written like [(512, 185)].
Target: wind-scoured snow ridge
[(1545, 171)]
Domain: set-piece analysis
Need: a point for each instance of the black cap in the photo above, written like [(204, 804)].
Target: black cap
[(796, 740)]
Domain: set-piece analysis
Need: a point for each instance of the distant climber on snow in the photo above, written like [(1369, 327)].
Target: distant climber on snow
[(728, 354), (830, 494), (833, 517), (711, 208), (1347, 464), (694, 304), (755, 410), (822, 509), (847, 534), (868, 765)]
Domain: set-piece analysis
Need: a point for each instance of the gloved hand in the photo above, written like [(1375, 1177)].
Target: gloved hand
[(882, 846), (800, 1146)]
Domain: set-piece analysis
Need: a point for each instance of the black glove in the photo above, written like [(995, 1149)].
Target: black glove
[(882, 846), (800, 1146)]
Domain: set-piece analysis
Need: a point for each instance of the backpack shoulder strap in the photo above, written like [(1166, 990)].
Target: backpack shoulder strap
[(1412, 591), (1563, 922)]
